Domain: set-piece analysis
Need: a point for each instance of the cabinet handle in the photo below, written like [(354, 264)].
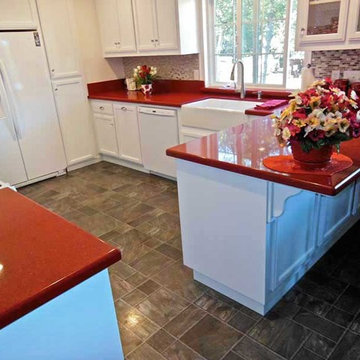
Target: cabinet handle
[(101, 108), (52, 70), (123, 108), (302, 31)]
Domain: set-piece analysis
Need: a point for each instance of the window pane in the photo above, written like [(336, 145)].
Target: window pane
[(270, 69), (272, 37), (225, 40), (248, 38), (225, 12), (262, 39), (223, 66), (272, 10)]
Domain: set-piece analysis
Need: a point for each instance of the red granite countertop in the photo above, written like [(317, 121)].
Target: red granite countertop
[(42, 256), (176, 93), (241, 149)]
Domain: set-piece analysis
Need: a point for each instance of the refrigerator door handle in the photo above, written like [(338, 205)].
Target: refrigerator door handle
[(9, 101)]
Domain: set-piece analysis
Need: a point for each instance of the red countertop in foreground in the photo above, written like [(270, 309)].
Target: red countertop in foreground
[(176, 93), (42, 255), (241, 149)]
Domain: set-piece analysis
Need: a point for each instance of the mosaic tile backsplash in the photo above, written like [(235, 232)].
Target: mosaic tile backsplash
[(177, 67), (324, 62)]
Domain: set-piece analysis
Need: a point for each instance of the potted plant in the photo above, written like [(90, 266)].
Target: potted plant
[(144, 76), (316, 121)]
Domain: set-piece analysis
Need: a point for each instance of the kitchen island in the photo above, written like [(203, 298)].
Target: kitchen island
[(55, 295), (249, 232)]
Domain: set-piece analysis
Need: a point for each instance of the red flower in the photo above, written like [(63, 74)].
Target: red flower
[(294, 129), (300, 114), (316, 135)]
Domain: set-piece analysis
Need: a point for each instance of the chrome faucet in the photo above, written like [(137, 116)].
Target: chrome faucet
[(242, 82)]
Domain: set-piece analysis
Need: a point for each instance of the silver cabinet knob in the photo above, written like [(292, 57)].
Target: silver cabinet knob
[(101, 108), (123, 108)]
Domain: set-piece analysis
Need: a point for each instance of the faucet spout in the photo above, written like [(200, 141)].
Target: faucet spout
[(240, 76)]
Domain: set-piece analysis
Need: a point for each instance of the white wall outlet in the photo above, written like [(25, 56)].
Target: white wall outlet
[(352, 75), (335, 74)]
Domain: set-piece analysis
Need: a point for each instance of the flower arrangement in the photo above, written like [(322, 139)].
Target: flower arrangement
[(144, 74), (320, 116)]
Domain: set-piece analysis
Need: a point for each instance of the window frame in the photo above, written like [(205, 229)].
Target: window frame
[(210, 42)]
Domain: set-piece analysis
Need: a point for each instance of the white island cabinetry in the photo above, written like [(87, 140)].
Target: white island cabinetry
[(253, 239)]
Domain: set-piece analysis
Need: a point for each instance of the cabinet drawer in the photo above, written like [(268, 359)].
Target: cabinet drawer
[(102, 107)]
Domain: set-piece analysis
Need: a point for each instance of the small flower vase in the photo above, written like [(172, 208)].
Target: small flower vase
[(313, 158), (146, 89)]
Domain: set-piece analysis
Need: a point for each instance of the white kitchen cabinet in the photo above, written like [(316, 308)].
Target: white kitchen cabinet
[(127, 132), (148, 27), (354, 20), (321, 21), (156, 24), (18, 15), (328, 25), (116, 26), (59, 31), (73, 111), (106, 134)]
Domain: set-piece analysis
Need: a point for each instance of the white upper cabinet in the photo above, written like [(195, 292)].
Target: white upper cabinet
[(148, 27), (328, 24), (156, 24), (354, 20), (18, 15), (145, 23), (57, 22), (116, 26)]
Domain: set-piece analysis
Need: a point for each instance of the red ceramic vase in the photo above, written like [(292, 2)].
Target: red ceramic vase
[(313, 158)]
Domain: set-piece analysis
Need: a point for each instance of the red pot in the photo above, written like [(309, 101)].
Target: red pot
[(313, 158)]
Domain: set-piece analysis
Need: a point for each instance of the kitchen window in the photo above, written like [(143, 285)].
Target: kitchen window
[(259, 32)]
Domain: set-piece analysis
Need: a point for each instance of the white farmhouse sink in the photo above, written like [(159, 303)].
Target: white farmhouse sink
[(215, 114)]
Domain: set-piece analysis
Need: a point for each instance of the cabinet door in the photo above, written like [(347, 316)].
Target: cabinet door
[(17, 15), (57, 21), (107, 11), (73, 111), (106, 135), (167, 24), (321, 21), (145, 20), (127, 28), (354, 20), (338, 210), (127, 131)]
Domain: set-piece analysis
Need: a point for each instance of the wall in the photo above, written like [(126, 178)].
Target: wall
[(95, 67), (169, 67), (326, 61)]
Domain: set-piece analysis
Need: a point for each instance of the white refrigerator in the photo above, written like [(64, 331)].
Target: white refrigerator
[(30, 139)]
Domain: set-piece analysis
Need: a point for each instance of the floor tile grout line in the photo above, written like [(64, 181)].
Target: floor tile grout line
[(301, 346)]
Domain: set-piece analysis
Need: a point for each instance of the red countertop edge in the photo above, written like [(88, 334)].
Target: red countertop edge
[(260, 174), (56, 288), (176, 93), (206, 151)]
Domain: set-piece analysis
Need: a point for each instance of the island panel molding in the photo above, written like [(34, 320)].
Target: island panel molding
[(252, 239)]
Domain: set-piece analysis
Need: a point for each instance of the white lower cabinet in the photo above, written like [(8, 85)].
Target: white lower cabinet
[(73, 111), (127, 132), (137, 134), (106, 134)]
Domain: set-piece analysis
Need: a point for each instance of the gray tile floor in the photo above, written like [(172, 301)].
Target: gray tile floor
[(164, 314)]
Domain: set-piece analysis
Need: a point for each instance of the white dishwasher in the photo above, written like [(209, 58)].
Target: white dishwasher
[(158, 131)]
